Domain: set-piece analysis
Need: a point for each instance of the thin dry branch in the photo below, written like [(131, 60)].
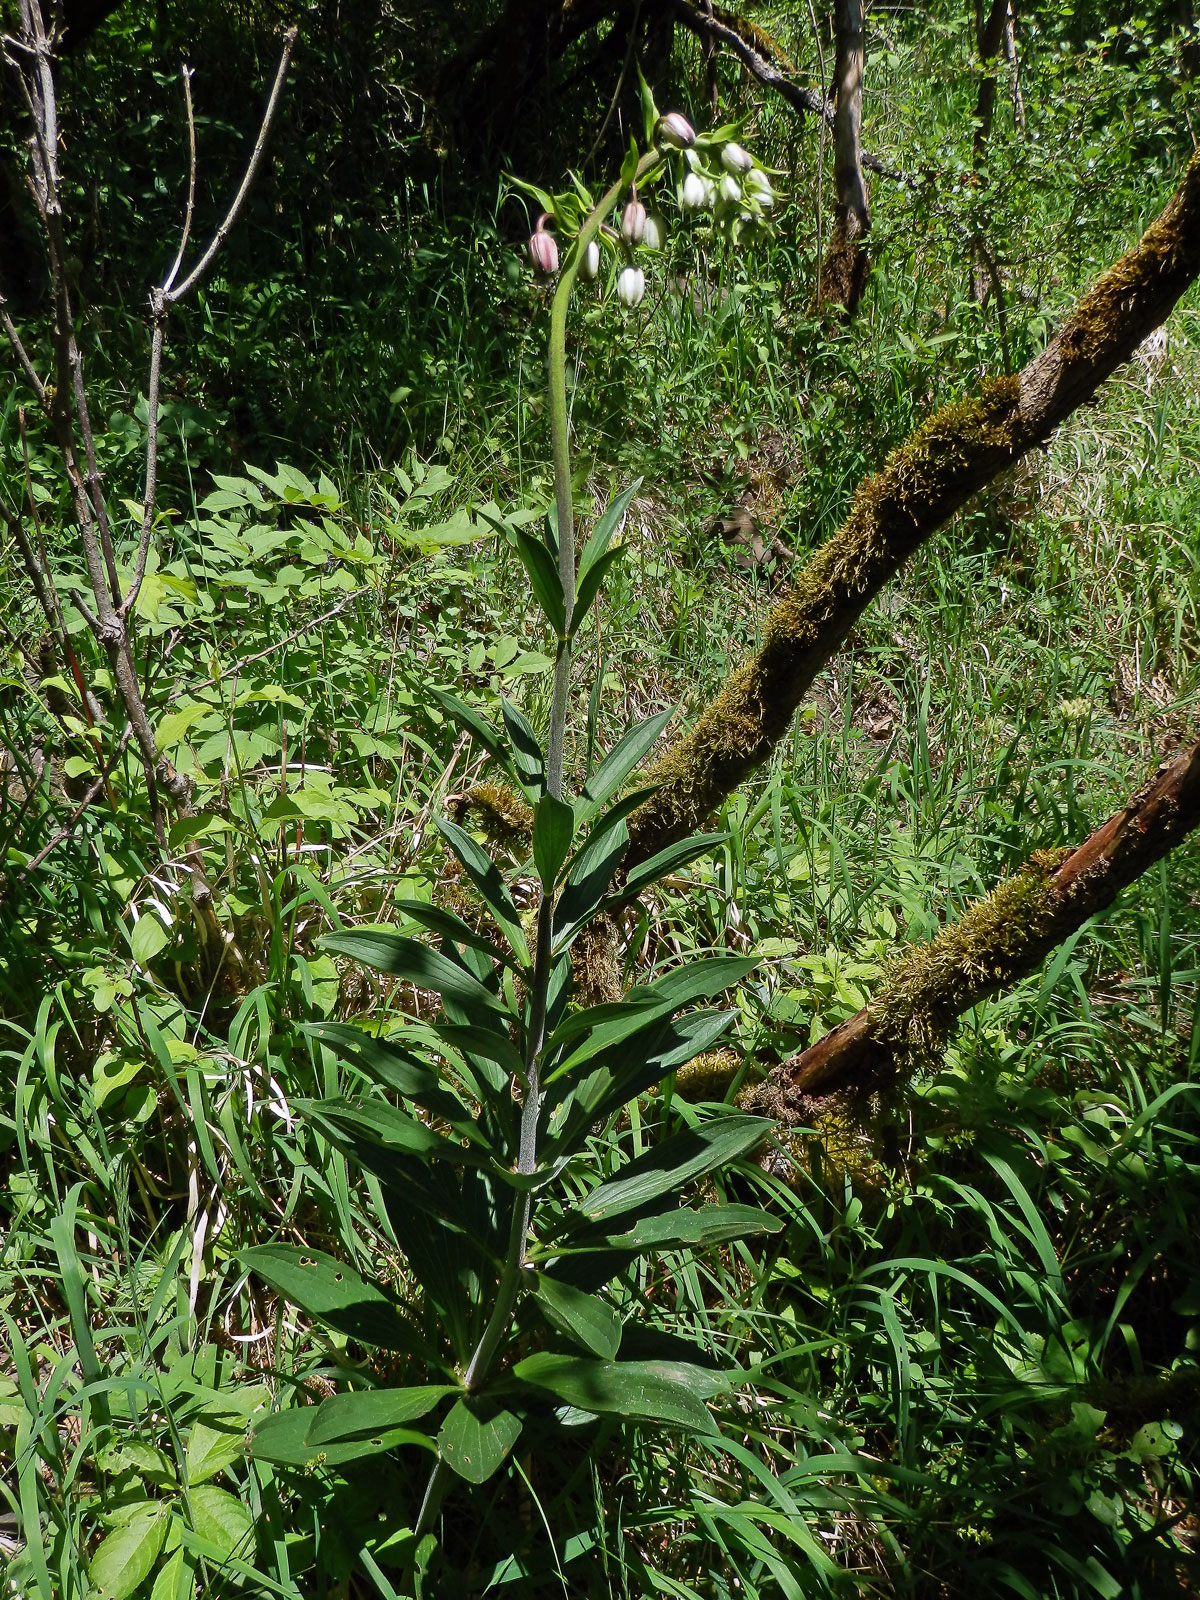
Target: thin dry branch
[(997, 943), (921, 485)]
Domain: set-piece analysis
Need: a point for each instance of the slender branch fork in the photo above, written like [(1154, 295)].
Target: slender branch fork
[(30, 56)]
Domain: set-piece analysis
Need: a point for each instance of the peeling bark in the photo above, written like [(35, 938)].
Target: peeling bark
[(999, 941), (921, 485), (844, 270)]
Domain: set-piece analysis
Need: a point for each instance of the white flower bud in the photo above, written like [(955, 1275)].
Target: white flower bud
[(589, 261), (633, 222), (731, 190), (654, 234), (758, 187), (693, 195), (631, 286), (543, 252), (736, 160), (675, 129)]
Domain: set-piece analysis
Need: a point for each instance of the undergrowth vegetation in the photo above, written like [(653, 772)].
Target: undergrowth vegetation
[(963, 1356)]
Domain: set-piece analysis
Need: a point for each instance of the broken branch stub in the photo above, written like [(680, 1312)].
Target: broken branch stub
[(921, 485), (999, 941)]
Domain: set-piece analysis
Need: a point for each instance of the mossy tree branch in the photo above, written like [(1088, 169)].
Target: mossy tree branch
[(921, 485), (999, 941)]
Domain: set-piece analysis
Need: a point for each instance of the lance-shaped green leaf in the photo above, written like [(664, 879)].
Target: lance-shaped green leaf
[(487, 1044), (281, 1441), (622, 758), (387, 1062), (553, 831), (660, 1391), (485, 875), (589, 875), (606, 525), (703, 1226), (476, 1437), (673, 859), (589, 587), (526, 752), (678, 1160), (484, 732), (387, 1125), (401, 957), (586, 1318), (438, 920), (330, 1291), (544, 578), (696, 980), (626, 1028), (348, 1416)]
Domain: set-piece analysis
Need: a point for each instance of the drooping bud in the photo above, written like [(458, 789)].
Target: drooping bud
[(543, 249), (693, 195), (758, 188), (633, 222), (675, 129), (731, 190), (654, 235), (631, 286), (589, 261), (735, 159)]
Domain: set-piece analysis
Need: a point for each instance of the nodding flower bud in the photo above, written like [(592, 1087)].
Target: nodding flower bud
[(589, 261), (735, 159), (543, 249), (675, 129), (694, 195), (731, 190), (758, 188), (654, 235), (631, 286), (633, 222)]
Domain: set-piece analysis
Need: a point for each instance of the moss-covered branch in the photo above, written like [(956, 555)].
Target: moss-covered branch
[(998, 942), (920, 486)]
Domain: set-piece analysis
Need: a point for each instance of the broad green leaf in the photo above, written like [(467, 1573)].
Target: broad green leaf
[(211, 1450), (586, 1318), (345, 1416), (125, 1557), (172, 1582), (553, 831), (623, 1029), (485, 875), (221, 1518), (476, 1437), (149, 937), (406, 958), (387, 1125), (331, 1291), (543, 577), (280, 1441), (589, 876), (623, 757), (704, 1226), (660, 1391), (678, 1160)]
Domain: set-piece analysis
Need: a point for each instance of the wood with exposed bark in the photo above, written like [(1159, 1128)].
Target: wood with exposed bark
[(844, 270), (921, 485), (994, 945)]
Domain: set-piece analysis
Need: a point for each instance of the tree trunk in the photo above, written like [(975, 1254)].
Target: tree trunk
[(844, 270), (998, 942), (955, 453)]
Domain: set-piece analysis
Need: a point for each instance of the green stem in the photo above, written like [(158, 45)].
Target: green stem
[(480, 1365)]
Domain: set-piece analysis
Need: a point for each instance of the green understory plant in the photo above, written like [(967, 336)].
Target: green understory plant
[(493, 1151)]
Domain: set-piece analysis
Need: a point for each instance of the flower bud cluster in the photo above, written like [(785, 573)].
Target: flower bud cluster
[(714, 175)]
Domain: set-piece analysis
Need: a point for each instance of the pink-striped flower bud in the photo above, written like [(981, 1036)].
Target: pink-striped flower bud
[(543, 251), (675, 129), (633, 222)]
